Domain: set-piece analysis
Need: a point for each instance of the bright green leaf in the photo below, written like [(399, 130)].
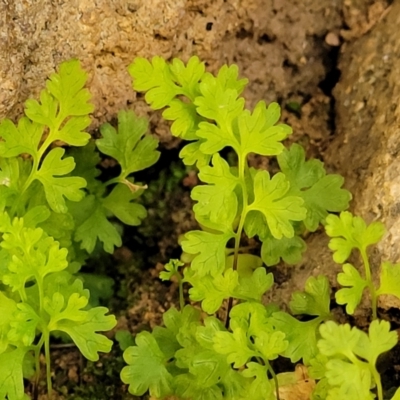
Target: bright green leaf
[(271, 344), (19, 140), (253, 287), (277, 208), (261, 388), (235, 346), (321, 193), (57, 188), (349, 232), (290, 250), (93, 224), (301, 336), (212, 291), (209, 249), (379, 340), (146, 368), (355, 285), (390, 279), (258, 132), (84, 332), (133, 150), (11, 368), (120, 203), (217, 200), (338, 339)]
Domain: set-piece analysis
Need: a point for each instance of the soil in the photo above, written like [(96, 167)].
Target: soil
[(292, 51)]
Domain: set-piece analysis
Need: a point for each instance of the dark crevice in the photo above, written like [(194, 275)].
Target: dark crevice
[(157, 36), (329, 82), (265, 38), (244, 34)]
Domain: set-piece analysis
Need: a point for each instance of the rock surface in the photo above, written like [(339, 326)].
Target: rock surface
[(367, 142), (278, 45)]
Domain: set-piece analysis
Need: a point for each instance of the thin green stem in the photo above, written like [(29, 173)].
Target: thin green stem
[(242, 167), (46, 335), (274, 377), (37, 350), (39, 282), (181, 298), (371, 286), (377, 379), (113, 180)]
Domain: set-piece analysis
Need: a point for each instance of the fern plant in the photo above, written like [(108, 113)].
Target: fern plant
[(54, 210), (197, 355)]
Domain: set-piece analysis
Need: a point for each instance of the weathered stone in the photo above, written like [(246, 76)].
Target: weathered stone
[(278, 45), (367, 145)]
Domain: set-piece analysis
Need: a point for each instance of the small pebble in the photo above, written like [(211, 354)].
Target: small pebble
[(332, 39)]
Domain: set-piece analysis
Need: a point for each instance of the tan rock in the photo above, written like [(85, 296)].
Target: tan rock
[(273, 42), (366, 148)]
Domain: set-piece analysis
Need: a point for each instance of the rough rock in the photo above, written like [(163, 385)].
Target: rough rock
[(278, 44), (367, 144)]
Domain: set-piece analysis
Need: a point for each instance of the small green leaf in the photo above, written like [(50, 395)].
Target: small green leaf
[(390, 279), (11, 372), (154, 77), (84, 332), (271, 344), (125, 339), (221, 105), (301, 336), (133, 150), (350, 381), (191, 154), (188, 76), (349, 232), (379, 340), (24, 325), (256, 224), (321, 193), (92, 225), (120, 203), (290, 250), (171, 269), (338, 339), (23, 139), (65, 97), (57, 188), (252, 317), (258, 132), (209, 249), (33, 255), (254, 286), (271, 200), (261, 388), (235, 346), (315, 300), (67, 88), (217, 200), (355, 285), (185, 117), (146, 368), (212, 291)]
